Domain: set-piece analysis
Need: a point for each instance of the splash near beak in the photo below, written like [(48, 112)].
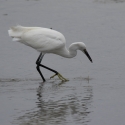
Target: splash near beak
[(87, 54)]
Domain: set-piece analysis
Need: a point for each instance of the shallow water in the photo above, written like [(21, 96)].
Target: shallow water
[(94, 93), (51, 102)]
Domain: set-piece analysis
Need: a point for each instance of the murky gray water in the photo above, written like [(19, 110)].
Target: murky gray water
[(94, 94)]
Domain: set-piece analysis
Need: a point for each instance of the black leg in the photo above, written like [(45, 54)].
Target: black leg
[(48, 68), (38, 69), (39, 58), (38, 66), (38, 61)]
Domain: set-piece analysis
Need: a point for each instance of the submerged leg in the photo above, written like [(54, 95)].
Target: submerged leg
[(38, 69)]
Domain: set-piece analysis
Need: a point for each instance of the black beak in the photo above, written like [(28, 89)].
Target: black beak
[(87, 54)]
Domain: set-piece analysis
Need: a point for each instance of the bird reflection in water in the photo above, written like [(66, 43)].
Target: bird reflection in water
[(61, 103)]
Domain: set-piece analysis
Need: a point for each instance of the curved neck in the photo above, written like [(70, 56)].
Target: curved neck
[(70, 52)]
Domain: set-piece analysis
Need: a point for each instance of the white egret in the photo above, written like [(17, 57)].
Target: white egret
[(45, 41)]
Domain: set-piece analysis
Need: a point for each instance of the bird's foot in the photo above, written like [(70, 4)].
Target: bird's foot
[(60, 77)]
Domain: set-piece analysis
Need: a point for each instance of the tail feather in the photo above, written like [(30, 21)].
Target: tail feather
[(16, 31)]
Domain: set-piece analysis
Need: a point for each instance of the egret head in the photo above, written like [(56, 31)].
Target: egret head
[(82, 47)]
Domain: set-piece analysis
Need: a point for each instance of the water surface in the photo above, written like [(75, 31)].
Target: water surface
[(94, 93)]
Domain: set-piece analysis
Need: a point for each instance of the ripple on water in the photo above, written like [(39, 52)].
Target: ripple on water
[(60, 103)]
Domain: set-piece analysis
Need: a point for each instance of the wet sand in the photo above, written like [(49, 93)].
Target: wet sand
[(94, 94)]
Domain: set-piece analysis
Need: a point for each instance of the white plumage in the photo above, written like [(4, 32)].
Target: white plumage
[(42, 39), (45, 41)]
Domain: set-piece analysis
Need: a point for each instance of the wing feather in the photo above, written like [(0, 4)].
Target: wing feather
[(45, 40)]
